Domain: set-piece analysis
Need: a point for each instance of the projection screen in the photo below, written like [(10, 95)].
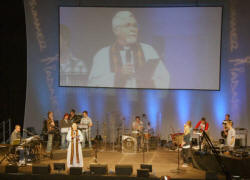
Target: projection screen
[(154, 48)]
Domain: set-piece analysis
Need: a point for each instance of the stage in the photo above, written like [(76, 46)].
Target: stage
[(164, 163)]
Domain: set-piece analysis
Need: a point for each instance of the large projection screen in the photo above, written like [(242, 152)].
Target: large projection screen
[(152, 48)]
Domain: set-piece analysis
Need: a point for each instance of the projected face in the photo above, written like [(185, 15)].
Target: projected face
[(125, 28)]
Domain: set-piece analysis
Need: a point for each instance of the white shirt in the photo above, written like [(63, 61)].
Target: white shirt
[(231, 134), (101, 75), (85, 122)]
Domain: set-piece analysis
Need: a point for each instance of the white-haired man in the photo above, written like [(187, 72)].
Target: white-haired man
[(128, 63)]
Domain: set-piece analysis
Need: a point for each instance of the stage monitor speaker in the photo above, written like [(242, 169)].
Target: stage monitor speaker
[(147, 166), (98, 169), (142, 173), (75, 171), (123, 170), (11, 169), (41, 169), (59, 166)]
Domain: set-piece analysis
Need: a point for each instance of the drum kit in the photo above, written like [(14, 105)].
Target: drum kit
[(129, 141), (31, 147)]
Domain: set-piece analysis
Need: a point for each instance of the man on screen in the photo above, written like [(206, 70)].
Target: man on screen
[(128, 63)]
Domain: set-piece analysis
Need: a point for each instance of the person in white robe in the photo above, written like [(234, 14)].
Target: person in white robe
[(74, 153)]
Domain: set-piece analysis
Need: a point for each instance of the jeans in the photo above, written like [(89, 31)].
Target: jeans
[(139, 138), (50, 142), (86, 134), (63, 141), (186, 155)]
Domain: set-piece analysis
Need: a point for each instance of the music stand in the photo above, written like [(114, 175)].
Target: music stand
[(178, 170)]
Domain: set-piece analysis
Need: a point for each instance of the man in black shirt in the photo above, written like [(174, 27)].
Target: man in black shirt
[(73, 117)]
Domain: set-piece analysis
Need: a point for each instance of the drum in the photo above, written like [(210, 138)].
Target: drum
[(177, 138), (129, 144)]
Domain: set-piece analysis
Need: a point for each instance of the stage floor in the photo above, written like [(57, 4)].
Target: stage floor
[(164, 162)]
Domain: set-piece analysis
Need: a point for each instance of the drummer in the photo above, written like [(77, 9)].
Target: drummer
[(137, 128), (65, 125), (15, 139)]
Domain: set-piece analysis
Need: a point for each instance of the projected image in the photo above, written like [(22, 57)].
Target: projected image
[(138, 48)]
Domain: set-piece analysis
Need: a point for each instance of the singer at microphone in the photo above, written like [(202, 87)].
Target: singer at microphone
[(74, 152)]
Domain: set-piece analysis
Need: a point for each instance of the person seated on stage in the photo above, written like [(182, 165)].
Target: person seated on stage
[(86, 123), (73, 116), (186, 143), (65, 124), (137, 128), (51, 131), (231, 135), (74, 152), (202, 125), (16, 138), (224, 124)]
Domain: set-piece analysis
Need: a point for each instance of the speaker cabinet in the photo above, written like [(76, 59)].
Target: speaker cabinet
[(147, 166), (99, 169), (142, 173), (123, 170), (41, 169), (75, 171), (11, 169)]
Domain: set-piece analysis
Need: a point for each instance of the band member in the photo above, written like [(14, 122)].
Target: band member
[(65, 124), (202, 125), (74, 152), (16, 137), (230, 135), (137, 127), (186, 143), (187, 133), (224, 124), (73, 117), (51, 131), (86, 124)]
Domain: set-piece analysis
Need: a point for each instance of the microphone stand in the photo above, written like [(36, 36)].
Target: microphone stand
[(178, 170)]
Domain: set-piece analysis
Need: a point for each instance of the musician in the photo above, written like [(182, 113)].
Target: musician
[(202, 125), (74, 152), (230, 135), (185, 153), (187, 133), (225, 128), (73, 117), (64, 124), (137, 128), (51, 130), (86, 124), (16, 136)]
